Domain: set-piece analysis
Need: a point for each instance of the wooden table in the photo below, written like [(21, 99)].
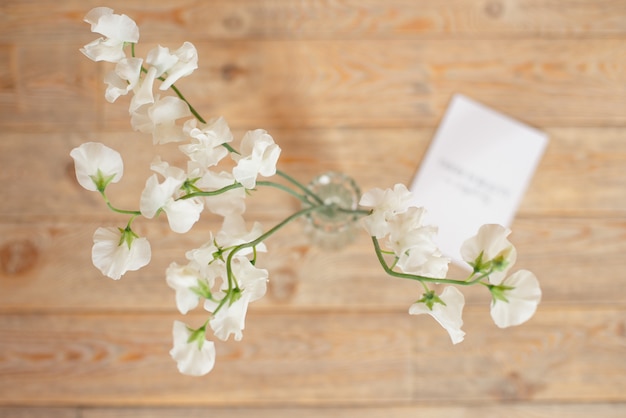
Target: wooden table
[(357, 86)]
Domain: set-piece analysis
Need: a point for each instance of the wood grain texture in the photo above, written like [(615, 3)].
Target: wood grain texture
[(564, 353), (357, 86), (514, 410)]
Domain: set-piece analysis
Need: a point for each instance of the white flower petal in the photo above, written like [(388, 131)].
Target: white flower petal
[(114, 258), (91, 157), (491, 240), (156, 195), (449, 316), (384, 205), (259, 155), (190, 358), (111, 25), (183, 214), (182, 279), (522, 300), (186, 63)]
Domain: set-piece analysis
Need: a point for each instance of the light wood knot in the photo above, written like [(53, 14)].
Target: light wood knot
[(233, 23), (494, 9), (18, 256), (231, 71), (283, 284)]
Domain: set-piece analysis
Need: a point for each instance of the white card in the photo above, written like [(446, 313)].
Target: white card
[(475, 172)]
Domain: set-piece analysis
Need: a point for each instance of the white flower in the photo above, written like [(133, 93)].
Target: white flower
[(490, 249), (117, 30), (448, 314), (194, 355), (384, 205), (515, 300), (143, 94), (206, 260), (205, 149), (183, 279), (179, 64), (234, 232), (230, 319), (182, 214), (259, 155), (97, 165), (116, 251), (123, 78), (159, 119), (413, 243)]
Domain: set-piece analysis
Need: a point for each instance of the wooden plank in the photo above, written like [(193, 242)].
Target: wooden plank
[(582, 174), (511, 410), (45, 86), (243, 19), (404, 83), (565, 354), (27, 412), (109, 359), (47, 266)]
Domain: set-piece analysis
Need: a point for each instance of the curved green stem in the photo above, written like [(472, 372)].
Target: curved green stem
[(419, 278), (114, 209), (261, 238), (299, 186), (184, 99), (284, 189), (212, 192)]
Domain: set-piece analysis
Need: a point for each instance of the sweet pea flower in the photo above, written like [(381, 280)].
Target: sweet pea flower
[(259, 155), (159, 119), (207, 261), (490, 250), (384, 204), (116, 251), (196, 279), (194, 355), (515, 300), (177, 65), (117, 30), (230, 319), (205, 148), (143, 94), (448, 314), (97, 165), (413, 243), (184, 279), (234, 232), (182, 214), (123, 78)]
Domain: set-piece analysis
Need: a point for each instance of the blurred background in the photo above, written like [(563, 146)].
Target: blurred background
[(356, 86)]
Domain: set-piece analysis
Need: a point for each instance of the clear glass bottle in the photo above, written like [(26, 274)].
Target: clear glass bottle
[(332, 227)]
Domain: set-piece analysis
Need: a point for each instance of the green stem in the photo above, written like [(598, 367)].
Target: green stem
[(261, 238), (422, 279), (211, 193), (114, 209), (184, 99), (299, 186), (284, 189), (196, 114)]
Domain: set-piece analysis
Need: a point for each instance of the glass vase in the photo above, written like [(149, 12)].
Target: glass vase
[(333, 226)]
